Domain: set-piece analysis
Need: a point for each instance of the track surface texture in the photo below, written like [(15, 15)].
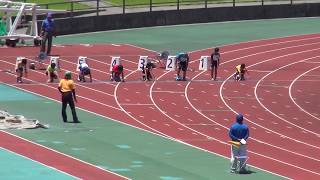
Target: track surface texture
[(280, 99)]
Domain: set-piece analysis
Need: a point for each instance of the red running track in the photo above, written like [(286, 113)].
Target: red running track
[(282, 118)]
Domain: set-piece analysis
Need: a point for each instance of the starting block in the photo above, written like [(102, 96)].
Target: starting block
[(55, 59), (114, 60), (142, 62), (171, 63), (203, 65), (40, 58)]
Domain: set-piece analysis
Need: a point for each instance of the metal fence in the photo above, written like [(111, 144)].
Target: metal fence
[(103, 7)]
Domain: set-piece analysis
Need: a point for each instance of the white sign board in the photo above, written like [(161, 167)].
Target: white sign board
[(55, 59), (171, 63), (142, 62), (114, 60), (81, 59), (203, 64)]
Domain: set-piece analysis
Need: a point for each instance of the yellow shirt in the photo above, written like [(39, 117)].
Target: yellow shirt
[(66, 85), (50, 69), (238, 68)]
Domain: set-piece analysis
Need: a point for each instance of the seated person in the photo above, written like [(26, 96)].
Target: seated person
[(84, 71), (162, 58), (147, 74), (241, 70), (117, 73), (182, 61), (52, 72), (21, 68)]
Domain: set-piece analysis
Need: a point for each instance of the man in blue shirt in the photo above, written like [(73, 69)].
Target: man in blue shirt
[(182, 61), (239, 133), (47, 31)]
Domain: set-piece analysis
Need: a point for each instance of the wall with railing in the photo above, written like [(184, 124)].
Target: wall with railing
[(103, 7), (82, 24)]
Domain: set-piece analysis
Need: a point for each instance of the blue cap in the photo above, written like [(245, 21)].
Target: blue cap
[(239, 118), (49, 14)]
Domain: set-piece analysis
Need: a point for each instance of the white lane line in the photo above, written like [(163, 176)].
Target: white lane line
[(199, 112), (191, 145), (200, 124), (56, 89), (263, 71), (274, 86), (291, 97), (221, 87), (92, 78), (221, 96), (37, 94), (131, 116), (36, 161), (105, 63), (135, 104), (171, 92), (264, 107)]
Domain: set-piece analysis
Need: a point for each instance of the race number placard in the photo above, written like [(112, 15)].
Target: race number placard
[(55, 59), (203, 64), (171, 63), (81, 59), (142, 62), (114, 60)]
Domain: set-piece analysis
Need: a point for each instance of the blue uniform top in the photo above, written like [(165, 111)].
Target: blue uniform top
[(239, 130), (182, 57), (48, 25)]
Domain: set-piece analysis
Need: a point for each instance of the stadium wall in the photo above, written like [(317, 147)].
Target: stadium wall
[(186, 16)]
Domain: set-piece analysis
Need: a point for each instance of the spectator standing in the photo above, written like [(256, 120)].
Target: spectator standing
[(48, 30)]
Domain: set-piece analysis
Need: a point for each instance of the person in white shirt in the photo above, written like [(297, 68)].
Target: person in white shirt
[(84, 71)]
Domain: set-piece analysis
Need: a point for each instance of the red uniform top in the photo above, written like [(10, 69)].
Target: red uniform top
[(116, 70)]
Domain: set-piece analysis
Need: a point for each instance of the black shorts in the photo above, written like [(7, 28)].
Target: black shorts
[(85, 71), (214, 64), (53, 75), (19, 70), (183, 66)]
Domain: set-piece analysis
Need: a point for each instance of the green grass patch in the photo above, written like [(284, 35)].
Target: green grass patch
[(57, 4), (141, 3)]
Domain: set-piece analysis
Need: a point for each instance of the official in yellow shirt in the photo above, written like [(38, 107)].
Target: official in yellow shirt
[(68, 93)]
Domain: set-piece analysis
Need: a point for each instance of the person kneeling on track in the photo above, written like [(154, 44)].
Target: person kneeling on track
[(241, 70), (147, 74), (20, 68), (52, 72), (117, 73), (84, 71)]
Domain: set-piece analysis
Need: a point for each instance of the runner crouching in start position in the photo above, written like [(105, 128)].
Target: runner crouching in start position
[(84, 71), (182, 62), (52, 72), (241, 70), (20, 68), (147, 74), (117, 73)]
